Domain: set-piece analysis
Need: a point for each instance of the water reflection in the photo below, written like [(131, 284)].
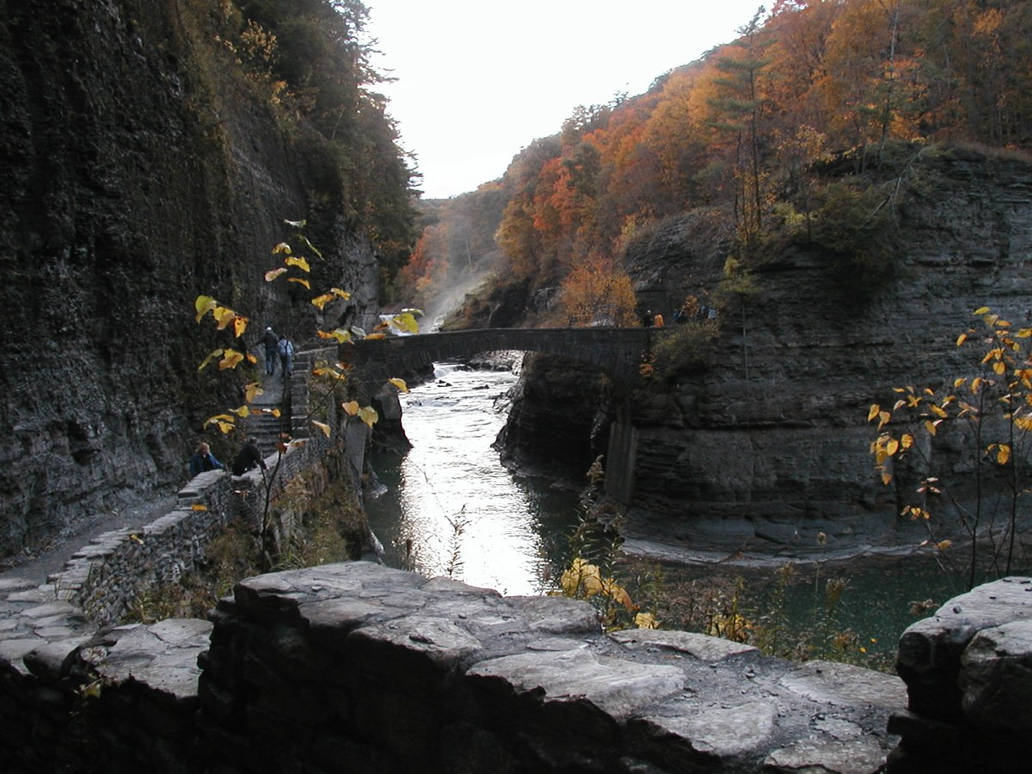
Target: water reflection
[(451, 507)]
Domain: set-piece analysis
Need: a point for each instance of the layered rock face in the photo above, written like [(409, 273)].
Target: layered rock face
[(771, 431), (138, 174)]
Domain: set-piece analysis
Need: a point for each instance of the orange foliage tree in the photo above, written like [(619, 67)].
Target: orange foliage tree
[(598, 293)]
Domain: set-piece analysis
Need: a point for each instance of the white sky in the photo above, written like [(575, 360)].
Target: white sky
[(478, 80)]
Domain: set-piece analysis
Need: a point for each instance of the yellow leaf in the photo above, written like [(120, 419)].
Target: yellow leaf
[(958, 382), (320, 301), (620, 595), (930, 427), (203, 305), (242, 411), (281, 248), (239, 326), (405, 321), (976, 384), (937, 411), (999, 367), (873, 411), (300, 262), (350, 408), (883, 419), (322, 426), (646, 621), (271, 275), (198, 507), (961, 339), (943, 545), (223, 316), (230, 359), (211, 356), (307, 285), (1003, 453), (340, 293), (252, 390), (368, 415), (339, 334), (376, 336), (326, 371), (906, 441), (1024, 333), (886, 477), (892, 446), (252, 359), (399, 383), (981, 310)]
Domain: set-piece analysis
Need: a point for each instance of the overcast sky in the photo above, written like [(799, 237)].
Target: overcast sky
[(477, 80)]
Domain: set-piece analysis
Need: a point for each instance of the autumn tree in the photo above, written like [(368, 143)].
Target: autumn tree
[(598, 292)]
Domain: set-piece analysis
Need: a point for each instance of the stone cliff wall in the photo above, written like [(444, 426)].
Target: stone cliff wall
[(771, 432), (140, 171)]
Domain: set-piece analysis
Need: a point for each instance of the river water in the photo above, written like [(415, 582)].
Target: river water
[(451, 508)]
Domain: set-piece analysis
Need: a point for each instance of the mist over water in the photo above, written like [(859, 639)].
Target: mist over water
[(452, 508)]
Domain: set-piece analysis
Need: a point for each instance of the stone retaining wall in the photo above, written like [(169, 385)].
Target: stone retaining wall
[(360, 668)]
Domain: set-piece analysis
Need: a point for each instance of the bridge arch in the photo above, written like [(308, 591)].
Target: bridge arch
[(617, 351)]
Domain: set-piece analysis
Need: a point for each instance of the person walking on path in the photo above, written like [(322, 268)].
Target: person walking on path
[(250, 456), (286, 353), (270, 340), (202, 460)]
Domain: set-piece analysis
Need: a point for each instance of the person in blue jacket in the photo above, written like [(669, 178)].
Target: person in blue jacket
[(202, 460)]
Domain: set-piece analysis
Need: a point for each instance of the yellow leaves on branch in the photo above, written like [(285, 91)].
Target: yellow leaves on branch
[(223, 315), (334, 293), (583, 580), (325, 428), (366, 414), (224, 422), (340, 335), (230, 358)]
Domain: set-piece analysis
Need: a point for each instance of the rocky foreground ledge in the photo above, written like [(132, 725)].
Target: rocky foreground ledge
[(357, 667)]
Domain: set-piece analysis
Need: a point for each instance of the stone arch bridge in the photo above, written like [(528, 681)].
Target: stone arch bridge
[(617, 351)]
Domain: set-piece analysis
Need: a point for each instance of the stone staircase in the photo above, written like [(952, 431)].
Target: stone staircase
[(292, 399)]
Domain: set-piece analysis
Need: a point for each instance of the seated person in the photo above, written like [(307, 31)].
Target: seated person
[(202, 459)]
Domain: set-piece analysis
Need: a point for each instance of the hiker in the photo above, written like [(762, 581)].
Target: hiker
[(202, 459), (250, 456), (270, 340), (286, 353)]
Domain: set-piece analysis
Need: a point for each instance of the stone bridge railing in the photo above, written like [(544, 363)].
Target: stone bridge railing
[(617, 351)]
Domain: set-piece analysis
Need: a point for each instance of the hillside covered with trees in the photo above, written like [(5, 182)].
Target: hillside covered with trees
[(802, 130)]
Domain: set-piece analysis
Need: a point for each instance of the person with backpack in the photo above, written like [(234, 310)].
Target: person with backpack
[(250, 456), (286, 354), (271, 340)]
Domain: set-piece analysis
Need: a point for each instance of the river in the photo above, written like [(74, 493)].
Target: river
[(451, 508)]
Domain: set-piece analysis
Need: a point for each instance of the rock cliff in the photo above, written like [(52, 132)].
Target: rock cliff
[(768, 429), (140, 171)]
